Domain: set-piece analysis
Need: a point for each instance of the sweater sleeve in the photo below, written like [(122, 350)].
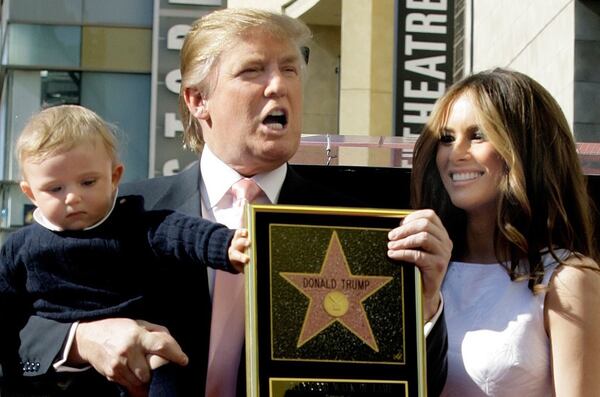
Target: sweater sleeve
[(13, 303), (189, 240), (12, 285)]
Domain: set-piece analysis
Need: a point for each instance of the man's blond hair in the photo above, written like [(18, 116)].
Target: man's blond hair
[(215, 33)]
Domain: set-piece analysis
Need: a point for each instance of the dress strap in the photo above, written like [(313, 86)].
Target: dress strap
[(550, 264)]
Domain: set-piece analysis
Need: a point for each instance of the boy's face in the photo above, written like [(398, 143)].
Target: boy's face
[(73, 189)]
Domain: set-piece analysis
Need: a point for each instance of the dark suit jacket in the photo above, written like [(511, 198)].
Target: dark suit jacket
[(41, 339)]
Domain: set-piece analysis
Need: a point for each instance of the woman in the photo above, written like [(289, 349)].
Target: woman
[(497, 163)]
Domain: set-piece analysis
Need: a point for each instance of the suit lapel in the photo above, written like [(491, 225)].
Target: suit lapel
[(184, 193)]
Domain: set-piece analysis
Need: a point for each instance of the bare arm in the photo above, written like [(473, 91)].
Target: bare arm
[(573, 325), (421, 239)]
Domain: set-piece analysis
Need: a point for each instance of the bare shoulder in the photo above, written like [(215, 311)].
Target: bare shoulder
[(572, 296), (579, 276), (581, 262)]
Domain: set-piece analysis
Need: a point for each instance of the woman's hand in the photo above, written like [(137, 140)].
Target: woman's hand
[(421, 239)]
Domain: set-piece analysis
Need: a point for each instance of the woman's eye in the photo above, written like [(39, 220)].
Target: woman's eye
[(446, 138), (479, 136)]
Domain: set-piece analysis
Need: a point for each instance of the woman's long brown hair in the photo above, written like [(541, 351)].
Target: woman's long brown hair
[(544, 202)]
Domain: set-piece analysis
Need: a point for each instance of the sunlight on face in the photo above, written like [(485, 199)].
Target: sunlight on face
[(255, 108), (73, 189), (469, 165)]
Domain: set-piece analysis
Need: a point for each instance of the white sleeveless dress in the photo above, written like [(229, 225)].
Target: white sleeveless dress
[(497, 345)]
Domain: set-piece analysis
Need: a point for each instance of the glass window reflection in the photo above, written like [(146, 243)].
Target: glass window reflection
[(44, 45), (60, 88)]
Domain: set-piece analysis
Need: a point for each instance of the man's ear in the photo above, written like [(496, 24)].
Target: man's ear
[(117, 174), (196, 103), (26, 189)]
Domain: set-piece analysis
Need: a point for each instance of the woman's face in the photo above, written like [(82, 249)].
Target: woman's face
[(470, 167)]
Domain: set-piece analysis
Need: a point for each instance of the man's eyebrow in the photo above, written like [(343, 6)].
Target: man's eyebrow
[(250, 59), (291, 58), (255, 58)]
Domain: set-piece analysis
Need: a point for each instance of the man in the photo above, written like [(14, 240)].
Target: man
[(241, 104)]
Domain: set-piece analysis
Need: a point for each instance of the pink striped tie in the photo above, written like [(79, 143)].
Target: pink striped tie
[(228, 313), (244, 191)]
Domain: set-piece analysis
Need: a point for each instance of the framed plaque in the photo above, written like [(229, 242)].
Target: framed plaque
[(328, 313)]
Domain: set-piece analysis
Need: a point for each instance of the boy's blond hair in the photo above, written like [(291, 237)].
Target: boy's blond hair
[(61, 128)]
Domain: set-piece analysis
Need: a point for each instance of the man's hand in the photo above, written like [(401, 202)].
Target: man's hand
[(422, 239), (121, 350)]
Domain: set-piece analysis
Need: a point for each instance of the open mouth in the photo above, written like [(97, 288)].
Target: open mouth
[(276, 120), (465, 176)]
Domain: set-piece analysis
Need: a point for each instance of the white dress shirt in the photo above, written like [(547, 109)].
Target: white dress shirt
[(216, 198)]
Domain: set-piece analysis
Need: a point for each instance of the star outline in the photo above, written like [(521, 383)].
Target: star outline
[(314, 307)]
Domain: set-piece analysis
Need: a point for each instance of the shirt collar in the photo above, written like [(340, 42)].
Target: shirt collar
[(43, 221), (218, 178)]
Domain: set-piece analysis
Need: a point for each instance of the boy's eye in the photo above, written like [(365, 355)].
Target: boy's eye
[(55, 189), (88, 182)]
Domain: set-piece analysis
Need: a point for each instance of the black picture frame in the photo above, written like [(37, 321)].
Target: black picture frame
[(327, 312)]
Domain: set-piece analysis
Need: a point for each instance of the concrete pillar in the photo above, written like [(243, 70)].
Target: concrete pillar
[(366, 76)]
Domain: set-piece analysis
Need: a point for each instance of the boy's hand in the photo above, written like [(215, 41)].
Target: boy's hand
[(237, 250)]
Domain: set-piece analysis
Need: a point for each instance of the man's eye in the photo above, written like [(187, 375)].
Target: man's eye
[(250, 71), (446, 138), (290, 70)]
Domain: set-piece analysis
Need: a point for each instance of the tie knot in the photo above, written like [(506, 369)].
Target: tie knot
[(245, 190)]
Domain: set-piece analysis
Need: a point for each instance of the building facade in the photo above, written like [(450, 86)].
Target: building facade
[(119, 58)]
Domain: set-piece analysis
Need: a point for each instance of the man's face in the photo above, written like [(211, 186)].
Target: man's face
[(251, 118)]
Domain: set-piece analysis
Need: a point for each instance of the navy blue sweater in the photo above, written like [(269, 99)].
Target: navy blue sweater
[(113, 270)]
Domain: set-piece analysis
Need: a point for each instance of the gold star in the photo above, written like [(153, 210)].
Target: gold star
[(335, 294)]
